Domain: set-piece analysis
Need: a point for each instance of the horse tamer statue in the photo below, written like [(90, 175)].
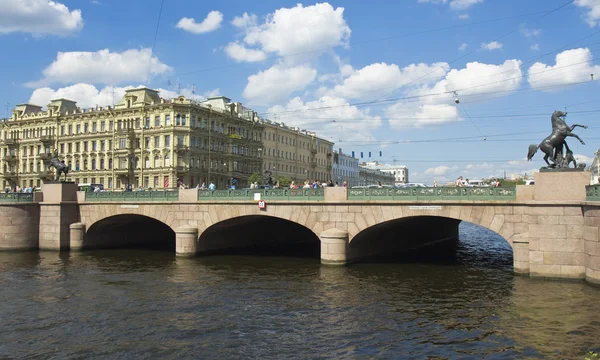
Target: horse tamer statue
[(552, 145), (59, 166)]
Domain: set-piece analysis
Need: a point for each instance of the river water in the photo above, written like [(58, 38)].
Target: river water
[(140, 304)]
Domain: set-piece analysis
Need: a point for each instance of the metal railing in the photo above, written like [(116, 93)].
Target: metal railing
[(434, 193), (271, 194), (592, 192), (16, 197), (126, 196)]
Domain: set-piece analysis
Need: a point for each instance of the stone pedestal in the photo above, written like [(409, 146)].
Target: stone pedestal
[(334, 247), (76, 236), (561, 186), (336, 194), (186, 241), (59, 192)]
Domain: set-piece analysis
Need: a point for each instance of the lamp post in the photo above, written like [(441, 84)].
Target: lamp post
[(209, 142)]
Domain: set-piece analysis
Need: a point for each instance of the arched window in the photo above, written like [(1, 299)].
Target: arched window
[(136, 164), (167, 160), (178, 120), (85, 165), (157, 161), (31, 167), (191, 163), (77, 165), (110, 163), (93, 164), (147, 162)]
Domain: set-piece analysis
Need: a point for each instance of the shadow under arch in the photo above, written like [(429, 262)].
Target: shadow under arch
[(259, 235), (426, 238), (129, 231)]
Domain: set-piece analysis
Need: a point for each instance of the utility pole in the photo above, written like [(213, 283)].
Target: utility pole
[(209, 142)]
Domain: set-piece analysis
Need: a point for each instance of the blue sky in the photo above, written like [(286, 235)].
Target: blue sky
[(371, 76)]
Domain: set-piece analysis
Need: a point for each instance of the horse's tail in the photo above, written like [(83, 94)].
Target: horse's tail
[(533, 148)]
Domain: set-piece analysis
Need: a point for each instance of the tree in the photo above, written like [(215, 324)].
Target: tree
[(255, 178), (283, 181)]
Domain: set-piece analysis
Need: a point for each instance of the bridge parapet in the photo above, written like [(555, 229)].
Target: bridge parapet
[(435, 193), (129, 196)]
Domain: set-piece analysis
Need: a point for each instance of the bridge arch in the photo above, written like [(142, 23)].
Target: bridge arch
[(259, 234), (129, 230)]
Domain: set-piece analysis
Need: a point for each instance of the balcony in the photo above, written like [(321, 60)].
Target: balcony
[(10, 158), (45, 156), (182, 169), (46, 138), (10, 174)]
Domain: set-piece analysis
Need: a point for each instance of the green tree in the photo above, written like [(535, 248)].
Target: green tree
[(284, 182), (255, 178)]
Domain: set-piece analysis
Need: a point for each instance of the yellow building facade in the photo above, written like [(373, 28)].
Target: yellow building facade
[(142, 141), (296, 154)]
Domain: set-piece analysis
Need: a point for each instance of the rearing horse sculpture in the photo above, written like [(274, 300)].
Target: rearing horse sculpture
[(552, 145), (59, 166)]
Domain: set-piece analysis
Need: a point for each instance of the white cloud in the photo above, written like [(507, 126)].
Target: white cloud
[(463, 46), (463, 4), (593, 11), (244, 21), (440, 170), (535, 47), (309, 30), (584, 159), (571, 66), (476, 78), (454, 4), (87, 95), (332, 118), (463, 16), (529, 33), (494, 45), (102, 66), (212, 93), (381, 78), (38, 17), (277, 83), (211, 23), (240, 53)]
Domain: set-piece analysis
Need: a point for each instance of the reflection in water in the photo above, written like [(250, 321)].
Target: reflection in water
[(149, 304)]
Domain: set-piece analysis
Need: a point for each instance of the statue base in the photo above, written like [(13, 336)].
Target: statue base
[(561, 185), (59, 192), (545, 169)]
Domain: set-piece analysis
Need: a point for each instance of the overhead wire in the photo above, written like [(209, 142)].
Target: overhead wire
[(154, 41)]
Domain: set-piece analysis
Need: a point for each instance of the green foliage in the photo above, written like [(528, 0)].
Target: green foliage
[(284, 182), (255, 178), (592, 356)]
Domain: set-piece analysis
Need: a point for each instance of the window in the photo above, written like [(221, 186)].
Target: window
[(147, 122), (178, 120), (109, 144), (146, 183), (94, 127), (123, 163), (137, 123), (70, 147), (136, 164), (93, 165), (167, 160), (110, 164), (167, 140), (101, 164), (85, 146), (147, 163), (102, 144), (157, 121), (193, 124), (110, 183), (62, 148), (157, 161), (85, 128), (122, 143), (77, 147), (183, 120), (93, 145), (180, 140), (155, 181), (85, 166), (102, 126), (62, 130), (147, 142), (167, 120), (137, 143), (111, 125), (157, 141), (77, 165)]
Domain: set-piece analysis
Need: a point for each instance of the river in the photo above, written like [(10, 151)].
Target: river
[(140, 304)]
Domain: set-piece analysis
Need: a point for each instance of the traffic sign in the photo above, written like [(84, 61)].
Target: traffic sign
[(262, 205)]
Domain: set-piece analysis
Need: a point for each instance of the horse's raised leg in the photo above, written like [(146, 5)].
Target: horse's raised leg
[(576, 137)]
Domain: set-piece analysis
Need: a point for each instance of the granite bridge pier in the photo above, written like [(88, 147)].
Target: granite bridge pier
[(552, 226)]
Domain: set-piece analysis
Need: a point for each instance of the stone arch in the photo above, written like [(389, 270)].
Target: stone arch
[(91, 213), (257, 233), (128, 230)]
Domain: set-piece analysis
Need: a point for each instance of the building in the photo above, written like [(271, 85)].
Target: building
[(142, 141), (345, 168), (400, 172), (296, 154), (369, 176)]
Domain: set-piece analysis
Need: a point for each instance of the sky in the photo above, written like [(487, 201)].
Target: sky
[(376, 76)]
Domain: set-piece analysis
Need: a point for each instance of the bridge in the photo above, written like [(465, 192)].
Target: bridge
[(552, 226)]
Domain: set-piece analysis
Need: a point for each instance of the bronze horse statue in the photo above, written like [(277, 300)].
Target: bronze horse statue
[(59, 166), (552, 145)]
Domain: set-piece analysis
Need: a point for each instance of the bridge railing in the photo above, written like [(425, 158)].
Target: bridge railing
[(592, 192), (435, 193), (271, 194), (167, 195), (16, 197)]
